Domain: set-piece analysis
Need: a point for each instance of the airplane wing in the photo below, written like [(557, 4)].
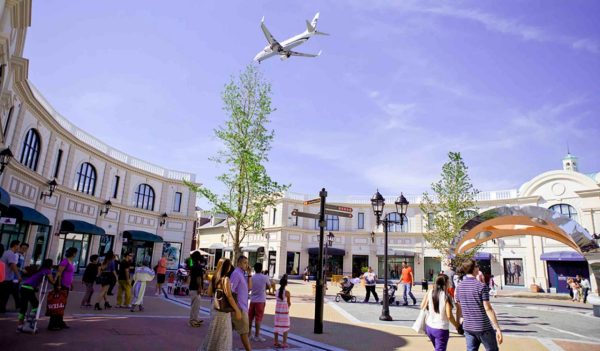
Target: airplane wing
[(270, 38), (294, 53)]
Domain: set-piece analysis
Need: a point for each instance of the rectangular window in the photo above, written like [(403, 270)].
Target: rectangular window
[(116, 187), (177, 203), (274, 215), (10, 112), (361, 220), (57, 166), (293, 263), (296, 221)]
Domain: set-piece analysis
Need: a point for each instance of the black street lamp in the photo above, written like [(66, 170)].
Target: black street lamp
[(51, 187), (378, 202), (330, 237), (107, 206), (163, 220)]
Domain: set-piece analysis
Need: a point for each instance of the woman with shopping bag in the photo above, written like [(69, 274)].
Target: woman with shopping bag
[(57, 299), (436, 314)]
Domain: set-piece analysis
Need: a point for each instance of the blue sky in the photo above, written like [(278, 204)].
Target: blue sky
[(399, 84)]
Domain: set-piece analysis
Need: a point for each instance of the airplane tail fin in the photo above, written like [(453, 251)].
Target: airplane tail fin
[(311, 27)]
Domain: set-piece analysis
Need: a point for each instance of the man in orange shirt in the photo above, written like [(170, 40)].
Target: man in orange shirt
[(407, 279), (161, 271)]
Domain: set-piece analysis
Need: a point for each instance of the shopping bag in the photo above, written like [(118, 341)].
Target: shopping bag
[(419, 325), (57, 300)]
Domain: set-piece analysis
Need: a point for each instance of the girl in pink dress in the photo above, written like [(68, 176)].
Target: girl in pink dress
[(282, 313)]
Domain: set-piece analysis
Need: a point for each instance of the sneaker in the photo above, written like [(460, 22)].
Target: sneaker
[(252, 338), (195, 323), (414, 302), (259, 339)]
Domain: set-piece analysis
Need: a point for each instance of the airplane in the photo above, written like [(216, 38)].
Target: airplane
[(283, 49)]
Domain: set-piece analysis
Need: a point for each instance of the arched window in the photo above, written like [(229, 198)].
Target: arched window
[(395, 216), (565, 210), (144, 197), (31, 149), (86, 179)]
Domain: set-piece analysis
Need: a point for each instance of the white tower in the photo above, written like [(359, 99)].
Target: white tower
[(570, 163)]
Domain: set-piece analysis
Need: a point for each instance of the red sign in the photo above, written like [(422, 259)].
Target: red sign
[(338, 208)]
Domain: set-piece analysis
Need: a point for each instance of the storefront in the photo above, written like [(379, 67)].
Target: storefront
[(17, 221), (333, 260), (432, 266), (255, 253), (563, 265), (141, 244), (77, 234), (484, 260), (395, 260), (360, 263)]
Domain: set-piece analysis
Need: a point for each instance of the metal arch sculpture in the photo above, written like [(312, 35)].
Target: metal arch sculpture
[(530, 220)]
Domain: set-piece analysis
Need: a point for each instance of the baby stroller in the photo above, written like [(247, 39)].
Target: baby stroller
[(346, 293), (392, 288), (181, 282)]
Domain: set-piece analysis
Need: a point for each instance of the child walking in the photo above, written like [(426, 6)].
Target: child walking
[(171, 283), (282, 313)]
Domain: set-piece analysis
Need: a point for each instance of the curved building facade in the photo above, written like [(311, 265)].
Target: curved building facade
[(64, 187), (291, 243)]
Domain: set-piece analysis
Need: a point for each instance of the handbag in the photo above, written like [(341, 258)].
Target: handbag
[(419, 325), (57, 300), (222, 302)]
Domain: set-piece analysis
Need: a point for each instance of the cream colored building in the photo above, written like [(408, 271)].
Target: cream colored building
[(152, 210), (515, 262)]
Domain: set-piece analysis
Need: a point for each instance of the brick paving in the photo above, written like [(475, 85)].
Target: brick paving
[(163, 326)]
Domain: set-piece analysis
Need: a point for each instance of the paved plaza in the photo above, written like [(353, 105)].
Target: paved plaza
[(529, 324)]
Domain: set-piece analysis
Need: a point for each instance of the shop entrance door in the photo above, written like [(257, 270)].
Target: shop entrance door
[(358, 263), (433, 265)]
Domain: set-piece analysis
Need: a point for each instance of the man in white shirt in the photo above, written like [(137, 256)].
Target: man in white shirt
[(370, 283), (258, 300), (585, 287)]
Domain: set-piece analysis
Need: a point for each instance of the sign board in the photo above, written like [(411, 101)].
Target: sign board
[(305, 214), (338, 208), (8, 220), (339, 214), (313, 201)]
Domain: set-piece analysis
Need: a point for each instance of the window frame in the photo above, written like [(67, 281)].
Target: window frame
[(59, 154), (145, 192), (115, 194), (31, 149), (361, 220), (86, 179), (176, 203), (392, 227), (571, 211)]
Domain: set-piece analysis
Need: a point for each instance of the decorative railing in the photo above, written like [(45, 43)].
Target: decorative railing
[(106, 149)]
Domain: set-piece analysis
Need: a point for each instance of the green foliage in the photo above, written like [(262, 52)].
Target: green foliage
[(364, 269), (247, 142), (450, 207)]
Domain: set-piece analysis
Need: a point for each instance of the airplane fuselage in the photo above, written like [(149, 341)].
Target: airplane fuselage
[(281, 48)]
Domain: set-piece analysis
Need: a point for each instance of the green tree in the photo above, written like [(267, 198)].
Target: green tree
[(247, 142), (450, 207)]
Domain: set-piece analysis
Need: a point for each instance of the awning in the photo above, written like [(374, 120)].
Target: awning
[(216, 246), (253, 248), (330, 251), (482, 256), (404, 253), (228, 248), (562, 256), (4, 200), (140, 235), (81, 227), (203, 253), (26, 214)]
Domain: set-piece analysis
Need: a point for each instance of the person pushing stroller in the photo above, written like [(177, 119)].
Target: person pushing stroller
[(346, 293)]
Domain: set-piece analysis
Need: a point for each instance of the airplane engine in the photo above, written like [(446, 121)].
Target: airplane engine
[(284, 57)]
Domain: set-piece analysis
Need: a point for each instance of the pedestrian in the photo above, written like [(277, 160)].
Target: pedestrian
[(196, 281), (370, 284), (439, 303), (282, 313), (108, 275), (89, 279), (306, 274), (21, 254), (258, 301), (473, 304), (11, 274), (143, 274), (124, 276), (64, 282), (113, 282), (407, 280), (240, 283), (450, 272), (29, 288), (576, 288), (585, 287), (492, 287), (219, 336), (170, 282), (161, 272)]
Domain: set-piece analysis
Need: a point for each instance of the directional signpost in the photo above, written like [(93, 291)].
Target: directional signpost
[(340, 211)]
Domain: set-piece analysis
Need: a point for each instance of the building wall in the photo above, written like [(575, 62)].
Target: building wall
[(31, 110)]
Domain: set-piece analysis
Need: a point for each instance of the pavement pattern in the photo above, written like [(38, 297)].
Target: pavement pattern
[(163, 326)]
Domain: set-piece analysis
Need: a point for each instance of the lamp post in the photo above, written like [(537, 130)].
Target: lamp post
[(328, 244), (378, 202), (5, 156)]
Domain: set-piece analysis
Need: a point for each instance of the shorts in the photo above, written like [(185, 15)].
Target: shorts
[(256, 311), (160, 278), (241, 326)]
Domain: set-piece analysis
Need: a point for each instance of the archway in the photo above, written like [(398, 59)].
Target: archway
[(507, 221)]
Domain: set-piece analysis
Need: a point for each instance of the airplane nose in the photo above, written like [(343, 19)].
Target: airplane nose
[(257, 57)]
